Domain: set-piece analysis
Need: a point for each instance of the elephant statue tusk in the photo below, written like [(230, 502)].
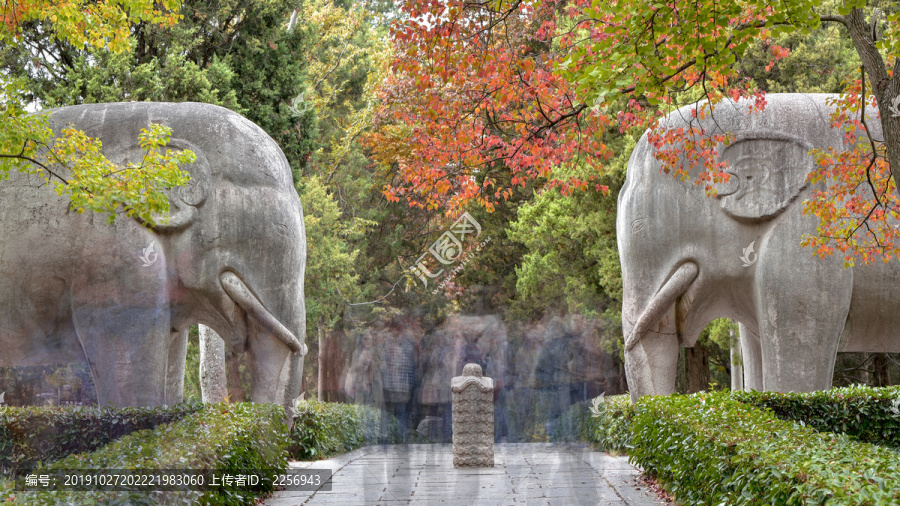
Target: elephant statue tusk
[(237, 290), (662, 301)]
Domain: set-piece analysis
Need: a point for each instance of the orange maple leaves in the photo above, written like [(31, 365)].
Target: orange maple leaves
[(859, 210), (473, 106)]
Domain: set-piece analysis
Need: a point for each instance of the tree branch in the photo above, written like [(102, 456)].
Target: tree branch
[(833, 18)]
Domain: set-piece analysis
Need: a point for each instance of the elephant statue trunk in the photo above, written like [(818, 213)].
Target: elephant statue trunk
[(239, 292), (651, 340)]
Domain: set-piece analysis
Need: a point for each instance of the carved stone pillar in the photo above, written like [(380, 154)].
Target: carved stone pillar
[(473, 418)]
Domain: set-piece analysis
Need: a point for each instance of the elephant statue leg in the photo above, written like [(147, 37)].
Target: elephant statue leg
[(751, 353), (127, 361), (267, 374), (213, 385), (803, 302), (175, 367), (292, 376), (651, 364), (233, 359)]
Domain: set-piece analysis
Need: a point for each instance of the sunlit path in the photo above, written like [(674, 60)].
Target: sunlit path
[(532, 473)]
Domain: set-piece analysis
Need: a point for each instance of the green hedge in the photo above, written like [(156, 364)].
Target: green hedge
[(603, 422), (323, 429), (222, 437), (610, 431), (33, 435), (708, 448), (869, 415)]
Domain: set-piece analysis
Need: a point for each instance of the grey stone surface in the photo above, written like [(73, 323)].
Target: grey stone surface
[(526, 473), (688, 259), (213, 373), (121, 297), (473, 418)]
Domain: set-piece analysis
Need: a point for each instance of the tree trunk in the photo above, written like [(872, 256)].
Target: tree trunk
[(880, 375), (697, 362), (737, 364), (320, 381), (886, 87)]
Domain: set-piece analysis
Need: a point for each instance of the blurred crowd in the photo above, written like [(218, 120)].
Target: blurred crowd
[(539, 371)]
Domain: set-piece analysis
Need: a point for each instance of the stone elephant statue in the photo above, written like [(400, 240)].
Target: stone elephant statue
[(121, 297), (688, 258)]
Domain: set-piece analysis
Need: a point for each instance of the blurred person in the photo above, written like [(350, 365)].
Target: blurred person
[(363, 382), (399, 374)]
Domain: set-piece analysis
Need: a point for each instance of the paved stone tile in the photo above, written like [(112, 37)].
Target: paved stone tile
[(523, 474)]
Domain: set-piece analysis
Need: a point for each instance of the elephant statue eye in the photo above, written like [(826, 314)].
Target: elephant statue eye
[(637, 225), (281, 229)]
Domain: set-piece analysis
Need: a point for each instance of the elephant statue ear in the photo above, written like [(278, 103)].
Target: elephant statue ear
[(768, 171), (184, 200)]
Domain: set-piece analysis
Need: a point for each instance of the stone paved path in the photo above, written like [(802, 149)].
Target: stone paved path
[(532, 474)]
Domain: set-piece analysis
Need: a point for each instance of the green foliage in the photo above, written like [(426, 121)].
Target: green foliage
[(234, 53), (82, 171), (192, 391), (819, 62), (323, 429), (611, 424), (571, 261), (31, 435), (7, 489), (114, 77), (220, 437), (74, 164), (711, 449), (642, 47), (330, 274), (573, 424), (710, 365), (869, 415), (347, 59), (103, 187)]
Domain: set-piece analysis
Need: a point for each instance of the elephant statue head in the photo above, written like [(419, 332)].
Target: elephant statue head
[(688, 258), (121, 297)]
